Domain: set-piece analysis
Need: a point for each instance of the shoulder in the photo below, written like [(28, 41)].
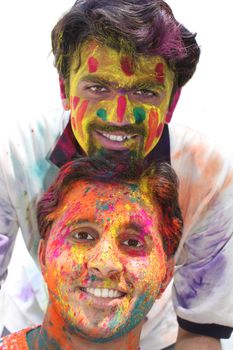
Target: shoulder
[(39, 126), (186, 139), (195, 153), (15, 341), (32, 137)]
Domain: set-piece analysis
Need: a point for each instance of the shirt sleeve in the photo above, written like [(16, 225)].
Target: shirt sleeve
[(203, 280), (8, 227)]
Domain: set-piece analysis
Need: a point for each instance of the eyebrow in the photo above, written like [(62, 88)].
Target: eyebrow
[(136, 227), (80, 221), (140, 84)]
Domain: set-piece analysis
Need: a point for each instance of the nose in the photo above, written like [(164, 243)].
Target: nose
[(104, 261), (122, 112)]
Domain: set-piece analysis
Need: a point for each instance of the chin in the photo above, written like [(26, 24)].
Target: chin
[(101, 334), (94, 336)]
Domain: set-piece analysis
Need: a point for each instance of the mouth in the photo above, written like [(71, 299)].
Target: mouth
[(102, 298), (116, 140), (103, 292)]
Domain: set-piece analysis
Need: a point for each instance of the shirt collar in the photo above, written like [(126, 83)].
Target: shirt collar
[(67, 148)]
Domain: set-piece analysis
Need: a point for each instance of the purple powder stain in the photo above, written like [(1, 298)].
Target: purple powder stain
[(26, 293), (200, 279), (5, 244)]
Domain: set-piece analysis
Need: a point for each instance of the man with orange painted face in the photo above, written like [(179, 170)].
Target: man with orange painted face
[(122, 65), (104, 258)]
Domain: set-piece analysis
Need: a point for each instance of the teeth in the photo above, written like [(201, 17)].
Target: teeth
[(104, 292), (117, 138)]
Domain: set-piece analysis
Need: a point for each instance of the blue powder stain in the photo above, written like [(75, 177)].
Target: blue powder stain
[(46, 342), (93, 278), (101, 206), (133, 187), (102, 114), (140, 310)]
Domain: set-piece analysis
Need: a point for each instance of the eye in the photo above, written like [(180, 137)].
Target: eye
[(97, 88), (83, 235), (146, 93), (133, 243)]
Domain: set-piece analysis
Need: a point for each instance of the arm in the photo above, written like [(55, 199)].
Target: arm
[(187, 340), (202, 293), (8, 229)]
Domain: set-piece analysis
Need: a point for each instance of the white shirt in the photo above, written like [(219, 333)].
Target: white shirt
[(203, 280)]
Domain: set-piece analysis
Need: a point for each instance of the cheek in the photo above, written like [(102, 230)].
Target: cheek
[(146, 273), (154, 127), (78, 115), (65, 268), (137, 270)]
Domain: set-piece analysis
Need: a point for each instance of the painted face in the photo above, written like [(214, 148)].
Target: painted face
[(117, 103), (104, 262)]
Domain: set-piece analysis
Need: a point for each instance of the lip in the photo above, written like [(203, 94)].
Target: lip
[(115, 145), (100, 302)]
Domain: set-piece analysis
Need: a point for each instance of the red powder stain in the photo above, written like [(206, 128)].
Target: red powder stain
[(159, 130), (74, 123), (80, 115), (76, 100), (62, 88), (121, 107), (92, 64), (152, 124), (159, 72), (127, 65)]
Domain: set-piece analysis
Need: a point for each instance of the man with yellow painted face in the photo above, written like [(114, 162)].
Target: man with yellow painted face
[(121, 66), (108, 239)]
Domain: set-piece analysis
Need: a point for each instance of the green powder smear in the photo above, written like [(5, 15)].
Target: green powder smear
[(139, 114), (102, 114)]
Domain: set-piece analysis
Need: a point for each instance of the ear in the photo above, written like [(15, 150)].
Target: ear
[(41, 255), (168, 277), (172, 106), (64, 98)]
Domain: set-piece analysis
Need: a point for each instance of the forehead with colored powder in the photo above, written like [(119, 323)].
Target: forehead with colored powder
[(95, 57), (101, 202)]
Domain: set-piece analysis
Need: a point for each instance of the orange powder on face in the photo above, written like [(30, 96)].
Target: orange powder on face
[(80, 115), (152, 128)]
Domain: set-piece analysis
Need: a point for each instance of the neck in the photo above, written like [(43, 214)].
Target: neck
[(53, 334)]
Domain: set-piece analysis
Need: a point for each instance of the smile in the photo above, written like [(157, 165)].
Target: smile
[(117, 138), (103, 292)]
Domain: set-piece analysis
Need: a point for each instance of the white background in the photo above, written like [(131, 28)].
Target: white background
[(29, 81)]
